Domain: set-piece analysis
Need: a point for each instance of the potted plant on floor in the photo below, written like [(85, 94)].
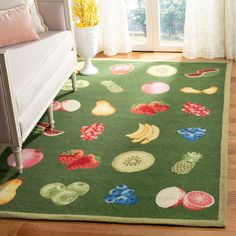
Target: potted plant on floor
[(86, 21)]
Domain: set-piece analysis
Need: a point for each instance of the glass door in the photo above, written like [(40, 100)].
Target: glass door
[(156, 25)]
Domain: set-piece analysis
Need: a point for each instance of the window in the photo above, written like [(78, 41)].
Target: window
[(137, 21), (156, 25)]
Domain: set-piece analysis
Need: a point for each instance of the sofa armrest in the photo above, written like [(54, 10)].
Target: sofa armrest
[(10, 134), (56, 14)]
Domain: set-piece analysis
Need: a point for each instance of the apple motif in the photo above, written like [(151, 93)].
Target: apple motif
[(155, 87), (30, 158)]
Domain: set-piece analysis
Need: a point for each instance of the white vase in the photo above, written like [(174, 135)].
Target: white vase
[(87, 40)]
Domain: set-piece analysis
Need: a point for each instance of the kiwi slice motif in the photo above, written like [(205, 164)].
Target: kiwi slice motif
[(80, 188), (49, 190), (64, 197), (82, 83), (133, 161)]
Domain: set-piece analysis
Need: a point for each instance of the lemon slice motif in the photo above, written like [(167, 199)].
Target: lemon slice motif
[(162, 70)]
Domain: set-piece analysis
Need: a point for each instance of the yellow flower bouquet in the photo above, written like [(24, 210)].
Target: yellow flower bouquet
[(85, 13)]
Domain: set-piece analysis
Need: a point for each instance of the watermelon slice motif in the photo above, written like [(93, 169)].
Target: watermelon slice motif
[(203, 73), (44, 128)]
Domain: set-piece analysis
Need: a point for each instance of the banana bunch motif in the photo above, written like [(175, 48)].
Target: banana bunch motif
[(144, 134)]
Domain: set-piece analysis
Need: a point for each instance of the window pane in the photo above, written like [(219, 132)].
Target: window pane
[(172, 17), (137, 20)]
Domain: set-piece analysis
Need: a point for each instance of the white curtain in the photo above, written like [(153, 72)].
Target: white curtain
[(114, 36), (210, 29)]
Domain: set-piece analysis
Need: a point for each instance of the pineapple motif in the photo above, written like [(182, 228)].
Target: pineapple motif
[(112, 86), (189, 160)]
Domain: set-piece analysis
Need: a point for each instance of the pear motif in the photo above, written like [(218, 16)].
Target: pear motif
[(8, 190), (210, 90), (103, 108)]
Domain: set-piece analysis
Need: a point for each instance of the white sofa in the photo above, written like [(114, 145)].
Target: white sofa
[(31, 75)]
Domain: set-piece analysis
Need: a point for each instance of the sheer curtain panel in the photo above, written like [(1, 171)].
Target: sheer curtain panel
[(114, 36), (210, 29)]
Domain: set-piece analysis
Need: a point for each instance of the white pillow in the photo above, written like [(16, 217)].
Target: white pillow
[(37, 19)]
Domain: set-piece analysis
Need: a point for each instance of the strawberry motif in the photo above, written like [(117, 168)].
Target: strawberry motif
[(75, 159), (159, 106), (70, 156), (143, 109), (150, 109), (195, 109), (86, 162)]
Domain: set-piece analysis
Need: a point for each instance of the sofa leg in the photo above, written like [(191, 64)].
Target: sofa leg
[(74, 81), (50, 116), (18, 158)]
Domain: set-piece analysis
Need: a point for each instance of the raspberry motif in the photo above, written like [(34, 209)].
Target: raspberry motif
[(195, 109)]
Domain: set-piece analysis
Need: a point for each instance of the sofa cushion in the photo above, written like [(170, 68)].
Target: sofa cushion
[(16, 26), (31, 69), (37, 19)]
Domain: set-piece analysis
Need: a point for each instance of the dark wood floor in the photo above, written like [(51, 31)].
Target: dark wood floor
[(47, 228)]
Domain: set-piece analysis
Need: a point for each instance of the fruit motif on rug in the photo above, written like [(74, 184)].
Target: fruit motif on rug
[(155, 88), (198, 200), (76, 159), (30, 158), (195, 109), (162, 70), (190, 90), (133, 161), (80, 84), (122, 195), (150, 109), (8, 190), (121, 69), (203, 73), (186, 165), (144, 134), (62, 195), (56, 105), (91, 132), (70, 105), (112, 86), (172, 197), (103, 108), (192, 134), (209, 91), (44, 128)]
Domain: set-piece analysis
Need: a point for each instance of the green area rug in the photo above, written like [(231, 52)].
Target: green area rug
[(140, 142)]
